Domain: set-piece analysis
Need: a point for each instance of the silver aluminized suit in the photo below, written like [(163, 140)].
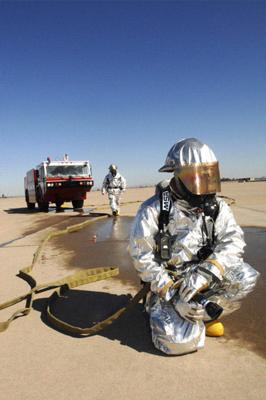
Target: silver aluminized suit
[(171, 333), (114, 186)]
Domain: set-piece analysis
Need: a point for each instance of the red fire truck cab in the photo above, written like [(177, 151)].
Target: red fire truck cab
[(58, 182)]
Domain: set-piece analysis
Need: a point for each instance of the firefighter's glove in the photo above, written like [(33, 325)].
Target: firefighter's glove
[(193, 283), (103, 191), (190, 311), (163, 286)]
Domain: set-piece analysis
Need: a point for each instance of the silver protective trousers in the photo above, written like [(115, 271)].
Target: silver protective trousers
[(114, 196), (175, 335)]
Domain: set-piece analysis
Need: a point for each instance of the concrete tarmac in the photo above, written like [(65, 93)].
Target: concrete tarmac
[(39, 362)]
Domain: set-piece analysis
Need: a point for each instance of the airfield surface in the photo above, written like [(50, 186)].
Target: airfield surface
[(120, 362)]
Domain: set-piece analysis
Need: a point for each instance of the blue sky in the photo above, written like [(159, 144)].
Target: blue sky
[(121, 82)]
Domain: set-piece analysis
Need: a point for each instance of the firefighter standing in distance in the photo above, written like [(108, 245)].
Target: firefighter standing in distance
[(114, 184), (187, 245)]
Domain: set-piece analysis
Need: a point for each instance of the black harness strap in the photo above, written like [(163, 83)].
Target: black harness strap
[(164, 240), (165, 207)]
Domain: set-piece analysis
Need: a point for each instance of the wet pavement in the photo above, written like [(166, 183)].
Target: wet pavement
[(104, 243), (248, 324)]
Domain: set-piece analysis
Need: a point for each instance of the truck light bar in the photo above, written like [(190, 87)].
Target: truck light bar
[(88, 183), (50, 184)]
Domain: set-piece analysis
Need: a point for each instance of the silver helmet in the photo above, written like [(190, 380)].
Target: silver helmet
[(113, 169), (195, 165)]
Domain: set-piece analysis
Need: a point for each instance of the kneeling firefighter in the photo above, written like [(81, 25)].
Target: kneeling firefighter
[(187, 245)]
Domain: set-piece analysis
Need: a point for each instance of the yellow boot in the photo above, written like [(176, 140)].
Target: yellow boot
[(214, 328)]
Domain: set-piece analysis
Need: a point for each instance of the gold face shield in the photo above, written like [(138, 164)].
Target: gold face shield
[(202, 178)]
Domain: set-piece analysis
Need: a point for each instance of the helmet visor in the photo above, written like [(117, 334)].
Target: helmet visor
[(202, 178), (113, 168)]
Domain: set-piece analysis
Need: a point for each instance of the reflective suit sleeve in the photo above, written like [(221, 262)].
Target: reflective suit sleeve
[(142, 248), (229, 246), (123, 183)]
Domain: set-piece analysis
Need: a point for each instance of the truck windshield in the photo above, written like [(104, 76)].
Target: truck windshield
[(67, 170)]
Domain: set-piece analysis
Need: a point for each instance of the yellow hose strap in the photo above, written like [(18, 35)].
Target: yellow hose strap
[(76, 330), (79, 278)]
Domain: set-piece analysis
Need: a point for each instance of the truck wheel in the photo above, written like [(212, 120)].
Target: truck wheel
[(30, 206), (77, 204), (43, 207)]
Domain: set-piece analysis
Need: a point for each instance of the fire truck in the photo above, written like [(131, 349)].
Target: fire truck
[(58, 182)]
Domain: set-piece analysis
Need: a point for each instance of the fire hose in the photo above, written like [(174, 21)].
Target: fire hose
[(65, 284)]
